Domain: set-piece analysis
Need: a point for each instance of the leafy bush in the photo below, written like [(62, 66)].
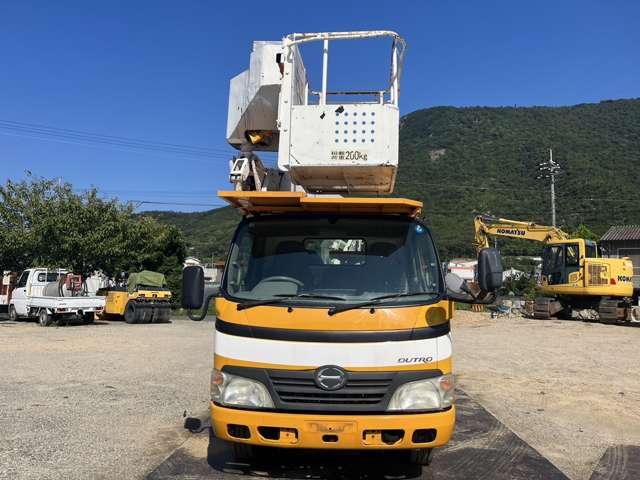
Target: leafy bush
[(45, 223)]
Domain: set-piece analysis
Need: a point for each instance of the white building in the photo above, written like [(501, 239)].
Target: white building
[(465, 268), (212, 273)]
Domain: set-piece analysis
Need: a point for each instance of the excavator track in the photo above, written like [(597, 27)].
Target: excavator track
[(546, 307), (611, 310)]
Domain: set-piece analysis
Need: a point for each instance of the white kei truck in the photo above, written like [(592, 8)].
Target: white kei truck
[(38, 294)]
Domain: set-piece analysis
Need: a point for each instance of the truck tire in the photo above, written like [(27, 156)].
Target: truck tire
[(420, 456), (44, 318), (130, 313), (243, 452), (161, 315), (13, 315), (88, 318)]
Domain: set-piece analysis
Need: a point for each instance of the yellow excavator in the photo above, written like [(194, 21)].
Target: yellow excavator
[(574, 276)]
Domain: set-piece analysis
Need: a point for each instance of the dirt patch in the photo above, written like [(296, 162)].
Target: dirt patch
[(568, 388)]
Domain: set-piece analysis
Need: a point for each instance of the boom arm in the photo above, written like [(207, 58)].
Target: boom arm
[(487, 225)]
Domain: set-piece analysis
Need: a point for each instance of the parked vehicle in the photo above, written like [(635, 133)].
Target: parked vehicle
[(52, 295), (332, 317), (7, 284), (144, 299), (574, 276)]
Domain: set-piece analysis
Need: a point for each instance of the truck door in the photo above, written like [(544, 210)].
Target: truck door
[(19, 296), (571, 262), (553, 264)]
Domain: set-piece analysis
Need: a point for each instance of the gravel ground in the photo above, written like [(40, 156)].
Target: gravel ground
[(107, 400), (98, 401), (568, 388)]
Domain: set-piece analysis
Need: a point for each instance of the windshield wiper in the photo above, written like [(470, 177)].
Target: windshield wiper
[(375, 301), (282, 298)]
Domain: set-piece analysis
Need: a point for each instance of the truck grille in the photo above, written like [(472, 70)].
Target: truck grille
[(362, 389)]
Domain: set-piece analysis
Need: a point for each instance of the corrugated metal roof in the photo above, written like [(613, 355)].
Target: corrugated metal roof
[(622, 232)]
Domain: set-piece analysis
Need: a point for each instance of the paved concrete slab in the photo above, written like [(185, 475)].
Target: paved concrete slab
[(620, 462)]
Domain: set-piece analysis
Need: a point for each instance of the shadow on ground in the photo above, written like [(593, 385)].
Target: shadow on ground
[(482, 448)]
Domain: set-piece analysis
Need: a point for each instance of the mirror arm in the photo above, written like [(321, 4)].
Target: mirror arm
[(486, 299), (210, 293), (201, 315)]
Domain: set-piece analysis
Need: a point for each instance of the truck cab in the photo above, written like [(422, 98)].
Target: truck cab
[(332, 327), (31, 283), (332, 322)]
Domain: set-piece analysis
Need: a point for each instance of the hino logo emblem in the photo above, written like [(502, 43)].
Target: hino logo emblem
[(330, 377)]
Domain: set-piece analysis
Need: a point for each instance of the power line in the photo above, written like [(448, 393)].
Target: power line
[(184, 204), (43, 132), (173, 193), (117, 147), (23, 125)]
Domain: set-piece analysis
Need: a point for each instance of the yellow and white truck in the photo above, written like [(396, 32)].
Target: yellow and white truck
[(332, 327)]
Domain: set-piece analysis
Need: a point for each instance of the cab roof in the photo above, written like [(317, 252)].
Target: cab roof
[(251, 203)]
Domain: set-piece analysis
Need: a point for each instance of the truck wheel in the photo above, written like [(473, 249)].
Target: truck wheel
[(420, 456), (13, 315), (87, 318), (44, 318), (161, 315), (243, 452), (130, 313), (166, 315)]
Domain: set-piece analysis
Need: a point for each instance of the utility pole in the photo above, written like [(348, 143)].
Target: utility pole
[(549, 170)]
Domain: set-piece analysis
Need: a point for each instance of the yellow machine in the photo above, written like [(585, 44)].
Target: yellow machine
[(145, 299), (332, 328), (573, 275)]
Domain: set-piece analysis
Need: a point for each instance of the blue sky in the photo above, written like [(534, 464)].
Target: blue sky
[(159, 71)]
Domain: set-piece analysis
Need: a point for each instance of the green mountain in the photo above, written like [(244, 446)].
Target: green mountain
[(465, 161), (207, 233)]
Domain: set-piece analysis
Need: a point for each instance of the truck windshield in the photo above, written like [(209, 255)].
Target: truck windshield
[(332, 260)]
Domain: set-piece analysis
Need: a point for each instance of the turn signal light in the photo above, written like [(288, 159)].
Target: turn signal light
[(436, 316)]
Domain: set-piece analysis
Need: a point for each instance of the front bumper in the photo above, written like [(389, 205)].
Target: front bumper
[(348, 432)]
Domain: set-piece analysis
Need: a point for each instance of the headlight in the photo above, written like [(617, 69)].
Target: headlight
[(231, 390), (429, 394)]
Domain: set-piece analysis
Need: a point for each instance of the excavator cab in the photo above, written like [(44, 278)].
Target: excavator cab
[(561, 263)]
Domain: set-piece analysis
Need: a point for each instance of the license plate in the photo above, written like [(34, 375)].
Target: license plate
[(331, 427)]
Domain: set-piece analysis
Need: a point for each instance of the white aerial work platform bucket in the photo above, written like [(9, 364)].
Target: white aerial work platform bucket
[(328, 142)]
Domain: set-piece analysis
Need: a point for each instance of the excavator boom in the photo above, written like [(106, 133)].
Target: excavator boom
[(488, 225)]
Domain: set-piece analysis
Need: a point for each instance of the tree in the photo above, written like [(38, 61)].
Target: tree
[(45, 223), (582, 231)]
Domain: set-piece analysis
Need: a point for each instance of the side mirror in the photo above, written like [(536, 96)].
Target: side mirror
[(489, 270), (192, 287)]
